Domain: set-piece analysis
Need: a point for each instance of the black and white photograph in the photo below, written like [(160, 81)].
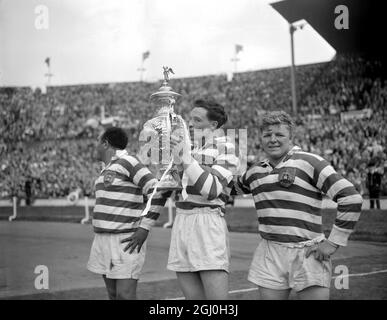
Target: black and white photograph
[(200, 150)]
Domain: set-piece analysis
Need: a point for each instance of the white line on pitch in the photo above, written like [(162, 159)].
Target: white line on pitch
[(360, 274), (341, 276), (242, 290)]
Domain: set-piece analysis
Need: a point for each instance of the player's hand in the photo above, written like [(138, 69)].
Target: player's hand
[(166, 194), (321, 251), (180, 150), (136, 240)]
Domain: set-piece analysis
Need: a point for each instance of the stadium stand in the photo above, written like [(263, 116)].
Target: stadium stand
[(47, 140)]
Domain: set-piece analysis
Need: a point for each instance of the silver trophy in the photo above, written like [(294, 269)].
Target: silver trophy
[(161, 126)]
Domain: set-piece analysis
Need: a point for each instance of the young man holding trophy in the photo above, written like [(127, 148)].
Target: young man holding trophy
[(199, 252)]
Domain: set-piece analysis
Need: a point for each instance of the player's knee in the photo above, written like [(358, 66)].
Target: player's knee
[(217, 295), (314, 293), (273, 294), (126, 294), (215, 284), (195, 295), (112, 295)]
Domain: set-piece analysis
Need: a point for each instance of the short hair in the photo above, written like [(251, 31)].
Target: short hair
[(116, 137), (215, 111), (277, 118)]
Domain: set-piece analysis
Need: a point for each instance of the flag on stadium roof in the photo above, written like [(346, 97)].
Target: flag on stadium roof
[(145, 55), (238, 48)]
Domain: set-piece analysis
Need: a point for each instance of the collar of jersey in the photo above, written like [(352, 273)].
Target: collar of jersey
[(119, 154), (266, 162)]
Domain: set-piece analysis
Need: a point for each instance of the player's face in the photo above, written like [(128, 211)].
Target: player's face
[(199, 120), (199, 124), (276, 141), (100, 151)]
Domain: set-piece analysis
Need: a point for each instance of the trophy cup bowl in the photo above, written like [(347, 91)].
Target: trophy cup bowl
[(161, 126)]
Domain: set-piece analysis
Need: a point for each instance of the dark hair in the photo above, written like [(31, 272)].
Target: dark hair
[(116, 137), (215, 111)]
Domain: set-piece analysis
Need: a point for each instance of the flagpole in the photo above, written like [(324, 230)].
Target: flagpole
[(142, 69), (145, 56), (235, 60), (48, 75), (292, 29)]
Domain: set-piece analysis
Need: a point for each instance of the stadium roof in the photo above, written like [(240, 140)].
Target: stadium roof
[(366, 23)]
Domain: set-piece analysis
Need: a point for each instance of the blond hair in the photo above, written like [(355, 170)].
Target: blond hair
[(276, 118)]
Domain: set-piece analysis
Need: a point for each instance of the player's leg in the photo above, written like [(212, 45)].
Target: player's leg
[(215, 283), (191, 285), (125, 267), (99, 262), (377, 196), (271, 294), (314, 293), (311, 277), (268, 271), (111, 287), (126, 289), (209, 252), (178, 260), (372, 199)]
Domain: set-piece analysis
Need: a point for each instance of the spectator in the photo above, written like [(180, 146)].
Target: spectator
[(374, 180), (28, 191)]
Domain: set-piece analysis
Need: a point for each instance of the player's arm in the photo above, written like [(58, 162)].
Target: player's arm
[(240, 185), (144, 178), (141, 176), (211, 181), (343, 192)]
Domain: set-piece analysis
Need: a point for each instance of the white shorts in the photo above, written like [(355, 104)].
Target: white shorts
[(107, 257), (279, 266), (199, 242)]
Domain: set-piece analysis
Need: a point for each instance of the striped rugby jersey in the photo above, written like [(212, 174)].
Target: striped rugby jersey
[(288, 198), (121, 195), (206, 181)]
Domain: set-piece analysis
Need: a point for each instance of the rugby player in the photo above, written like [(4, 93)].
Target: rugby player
[(119, 245), (199, 252), (288, 189)]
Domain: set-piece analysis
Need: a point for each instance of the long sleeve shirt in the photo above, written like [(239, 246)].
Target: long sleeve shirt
[(207, 178), (121, 195), (288, 198)]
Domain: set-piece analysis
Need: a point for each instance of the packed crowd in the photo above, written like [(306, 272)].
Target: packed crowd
[(48, 140), (53, 168)]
